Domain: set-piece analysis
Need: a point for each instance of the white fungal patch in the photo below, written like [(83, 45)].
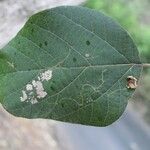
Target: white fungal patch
[(39, 89), (24, 96), (87, 55), (39, 78), (29, 87), (35, 90), (33, 101), (47, 75)]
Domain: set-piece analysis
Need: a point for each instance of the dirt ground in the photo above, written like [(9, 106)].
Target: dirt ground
[(19, 133), (24, 134)]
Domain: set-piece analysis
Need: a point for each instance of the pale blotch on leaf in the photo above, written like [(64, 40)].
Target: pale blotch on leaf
[(131, 82), (39, 89), (47, 75), (33, 101), (35, 90), (24, 96), (87, 55), (29, 87)]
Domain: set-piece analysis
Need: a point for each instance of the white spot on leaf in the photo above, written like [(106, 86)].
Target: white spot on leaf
[(35, 90), (29, 87), (33, 101), (39, 89), (24, 96), (47, 75), (39, 78), (87, 55)]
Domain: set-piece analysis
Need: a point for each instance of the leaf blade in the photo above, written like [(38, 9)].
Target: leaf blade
[(89, 74)]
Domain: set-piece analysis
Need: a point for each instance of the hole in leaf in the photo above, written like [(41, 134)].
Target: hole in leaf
[(88, 43)]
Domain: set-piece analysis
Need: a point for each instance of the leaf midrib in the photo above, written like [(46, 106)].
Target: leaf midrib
[(80, 67)]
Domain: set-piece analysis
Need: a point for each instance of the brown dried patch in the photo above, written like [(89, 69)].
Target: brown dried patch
[(131, 82)]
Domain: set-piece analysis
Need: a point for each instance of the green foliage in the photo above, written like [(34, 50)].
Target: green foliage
[(69, 64), (128, 13)]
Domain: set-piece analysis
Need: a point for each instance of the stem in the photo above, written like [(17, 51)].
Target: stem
[(146, 65)]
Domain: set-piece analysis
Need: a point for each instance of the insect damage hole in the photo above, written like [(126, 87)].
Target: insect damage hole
[(131, 82)]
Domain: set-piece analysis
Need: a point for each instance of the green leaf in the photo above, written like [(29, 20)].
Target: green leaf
[(69, 64)]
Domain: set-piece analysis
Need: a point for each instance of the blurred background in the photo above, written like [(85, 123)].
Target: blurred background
[(131, 132)]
